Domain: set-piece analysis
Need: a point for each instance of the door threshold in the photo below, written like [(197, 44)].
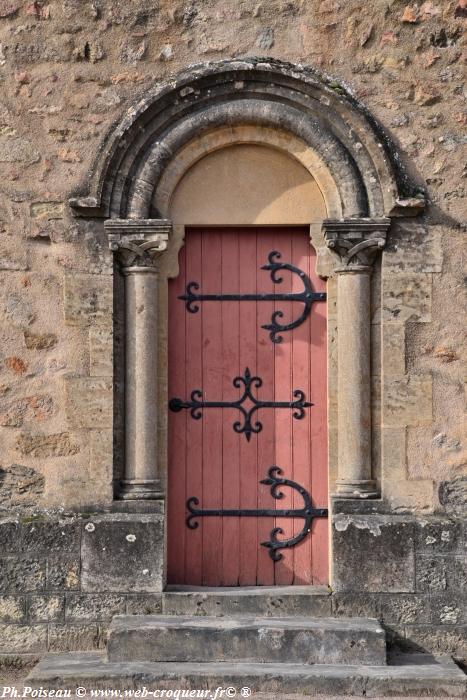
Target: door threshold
[(250, 590)]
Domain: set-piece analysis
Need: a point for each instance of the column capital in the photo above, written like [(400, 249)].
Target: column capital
[(138, 243), (355, 242)]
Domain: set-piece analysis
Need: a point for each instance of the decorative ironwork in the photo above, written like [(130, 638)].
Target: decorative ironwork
[(196, 405), (274, 480), (306, 297)]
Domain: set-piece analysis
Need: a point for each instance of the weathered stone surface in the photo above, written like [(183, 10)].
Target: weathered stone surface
[(63, 573), (13, 258), (404, 609), (246, 639), (144, 604), (57, 445), (34, 409), (407, 296), (47, 210), (101, 352), (413, 676), (453, 494), (46, 608), (123, 553), (438, 535), (441, 639), (75, 637), (39, 341), (94, 607), (414, 247), (373, 553), (431, 574), (88, 299), (18, 150), (407, 401), (9, 7), (22, 638), (12, 608), (10, 536), (355, 605), (264, 601), (448, 610), (20, 486), (89, 402), (22, 575), (50, 536)]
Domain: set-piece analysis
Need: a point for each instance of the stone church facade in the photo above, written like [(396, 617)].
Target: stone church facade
[(123, 128)]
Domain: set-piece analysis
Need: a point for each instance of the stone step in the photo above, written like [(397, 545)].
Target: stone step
[(411, 676), (274, 601), (247, 639)]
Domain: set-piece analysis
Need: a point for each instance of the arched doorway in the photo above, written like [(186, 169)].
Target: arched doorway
[(242, 207)]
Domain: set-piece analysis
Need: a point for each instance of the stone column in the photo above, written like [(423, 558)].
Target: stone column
[(137, 245), (355, 243)]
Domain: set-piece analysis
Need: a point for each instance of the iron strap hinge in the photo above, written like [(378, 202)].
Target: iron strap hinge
[(308, 512), (306, 297)]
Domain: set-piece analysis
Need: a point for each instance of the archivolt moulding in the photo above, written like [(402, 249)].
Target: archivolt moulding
[(266, 93)]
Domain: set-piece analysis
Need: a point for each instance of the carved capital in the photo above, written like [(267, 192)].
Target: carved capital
[(138, 242), (355, 242)]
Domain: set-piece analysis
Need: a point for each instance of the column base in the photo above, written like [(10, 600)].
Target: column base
[(361, 488), (137, 490)]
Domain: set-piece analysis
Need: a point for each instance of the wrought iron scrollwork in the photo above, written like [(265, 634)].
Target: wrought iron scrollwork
[(247, 427), (275, 481), (306, 297)]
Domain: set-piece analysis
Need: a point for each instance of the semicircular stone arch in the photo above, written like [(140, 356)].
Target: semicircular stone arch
[(346, 141)]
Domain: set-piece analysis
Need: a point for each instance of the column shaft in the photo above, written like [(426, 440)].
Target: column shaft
[(141, 445), (354, 403)]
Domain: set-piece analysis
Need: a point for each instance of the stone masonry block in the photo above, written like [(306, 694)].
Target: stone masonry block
[(414, 247), (439, 535), (22, 575), (101, 351), (123, 553), (12, 608), (63, 573), (407, 401), (10, 536), (94, 607), (23, 639), (75, 637), (374, 554), (431, 574), (46, 608), (89, 402), (403, 609), (393, 353), (88, 299), (50, 537), (144, 604), (407, 297)]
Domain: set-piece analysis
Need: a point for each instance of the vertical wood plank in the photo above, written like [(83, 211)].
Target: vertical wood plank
[(230, 554), (177, 431), (194, 428), (265, 439), (248, 450), (212, 420), (319, 457), (283, 417), (301, 428)]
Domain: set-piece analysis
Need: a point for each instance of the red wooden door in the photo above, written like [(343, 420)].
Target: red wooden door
[(208, 458)]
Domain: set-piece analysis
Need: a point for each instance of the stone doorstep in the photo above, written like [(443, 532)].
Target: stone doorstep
[(412, 675), (311, 601), (246, 639)]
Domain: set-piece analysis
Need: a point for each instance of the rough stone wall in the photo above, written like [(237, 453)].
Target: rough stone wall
[(68, 70)]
